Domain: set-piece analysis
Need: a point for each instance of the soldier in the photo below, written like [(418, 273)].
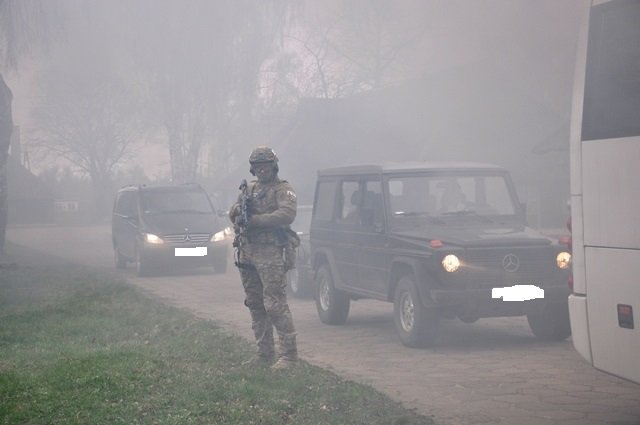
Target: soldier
[(261, 244)]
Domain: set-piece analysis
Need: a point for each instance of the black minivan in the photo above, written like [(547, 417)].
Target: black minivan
[(155, 226)]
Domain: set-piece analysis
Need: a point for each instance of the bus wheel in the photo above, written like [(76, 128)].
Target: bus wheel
[(551, 323)]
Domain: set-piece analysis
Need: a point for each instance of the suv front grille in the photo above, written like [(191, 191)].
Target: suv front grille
[(496, 267), (188, 238)]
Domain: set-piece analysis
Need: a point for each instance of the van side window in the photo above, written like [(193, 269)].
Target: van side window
[(325, 197), (350, 201), (372, 205)]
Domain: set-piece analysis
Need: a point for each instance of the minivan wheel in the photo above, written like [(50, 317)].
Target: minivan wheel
[(551, 323), (416, 325), (332, 304), (120, 261), (142, 265)]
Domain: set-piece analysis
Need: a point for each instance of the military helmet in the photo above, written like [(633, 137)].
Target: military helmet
[(261, 155)]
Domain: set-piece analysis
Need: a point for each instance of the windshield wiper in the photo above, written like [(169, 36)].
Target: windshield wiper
[(461, 212), (181, 211), (425, 214), (412, 213), (469, 213)]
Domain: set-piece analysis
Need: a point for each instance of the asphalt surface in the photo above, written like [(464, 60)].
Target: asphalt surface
[(491, 372)]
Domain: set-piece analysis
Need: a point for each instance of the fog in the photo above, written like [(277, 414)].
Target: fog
[(136, 92), (127, 92)]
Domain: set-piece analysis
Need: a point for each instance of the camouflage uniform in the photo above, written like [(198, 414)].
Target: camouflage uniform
[(262, 264)]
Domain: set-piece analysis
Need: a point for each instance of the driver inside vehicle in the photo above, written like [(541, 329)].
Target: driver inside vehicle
[(453, 199)]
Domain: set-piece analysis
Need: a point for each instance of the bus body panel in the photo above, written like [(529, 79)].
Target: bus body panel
[(577, 255), (611, 193), (613, 279), (579, 325)]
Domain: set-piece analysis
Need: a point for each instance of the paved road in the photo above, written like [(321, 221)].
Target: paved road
[(490, 372)]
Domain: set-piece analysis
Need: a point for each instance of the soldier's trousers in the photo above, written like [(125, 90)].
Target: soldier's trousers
[(265, 296)]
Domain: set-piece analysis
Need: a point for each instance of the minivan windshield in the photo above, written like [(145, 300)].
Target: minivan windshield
[(175, 201), (450, 195)]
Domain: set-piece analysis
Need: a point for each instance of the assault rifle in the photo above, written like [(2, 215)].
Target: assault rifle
[(243, 219)]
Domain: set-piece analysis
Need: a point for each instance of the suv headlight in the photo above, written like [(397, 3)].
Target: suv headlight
[(450, 263), (563, 260), (152, 239)]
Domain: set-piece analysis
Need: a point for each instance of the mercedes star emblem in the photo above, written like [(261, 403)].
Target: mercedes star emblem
[(511, 263)]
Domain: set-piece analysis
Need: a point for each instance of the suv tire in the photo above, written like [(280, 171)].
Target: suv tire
[(551, 323), (332, 304), (296, 288), (416, 325)]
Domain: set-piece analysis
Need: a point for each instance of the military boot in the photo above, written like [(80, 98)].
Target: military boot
[(288, 352)]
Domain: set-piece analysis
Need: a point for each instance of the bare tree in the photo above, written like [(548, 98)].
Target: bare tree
[(89, 113), (204, 71), (349, 46), (94, 130)]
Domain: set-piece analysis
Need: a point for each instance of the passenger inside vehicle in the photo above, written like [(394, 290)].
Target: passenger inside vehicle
[(452, 199)]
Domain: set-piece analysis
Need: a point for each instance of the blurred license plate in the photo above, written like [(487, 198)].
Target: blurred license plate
[(199, 251)]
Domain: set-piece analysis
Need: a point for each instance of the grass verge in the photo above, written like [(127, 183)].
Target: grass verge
[(78, 347)]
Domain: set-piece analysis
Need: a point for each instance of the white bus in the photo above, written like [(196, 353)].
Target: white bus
[(605, 189)]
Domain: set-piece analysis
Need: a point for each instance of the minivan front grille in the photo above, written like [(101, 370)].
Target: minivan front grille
[(188, 238)]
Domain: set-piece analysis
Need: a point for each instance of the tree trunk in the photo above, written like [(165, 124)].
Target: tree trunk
[(6, 127)]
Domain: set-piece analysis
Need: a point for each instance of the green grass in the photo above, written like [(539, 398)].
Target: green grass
[(78, 347)]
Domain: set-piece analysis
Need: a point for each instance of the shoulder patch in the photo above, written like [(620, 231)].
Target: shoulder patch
[(291, 194)]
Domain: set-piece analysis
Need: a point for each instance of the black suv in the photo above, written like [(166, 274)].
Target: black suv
[(439, 240), (163, 225)]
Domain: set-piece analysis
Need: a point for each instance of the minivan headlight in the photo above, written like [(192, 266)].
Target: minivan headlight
[(152, 239), (218, 237), (221, 235), (563, 260)]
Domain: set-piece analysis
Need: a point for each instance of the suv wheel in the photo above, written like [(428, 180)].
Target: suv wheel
[(120, 261), (416, 325), (551, 323), (142, 265), (331, 303)]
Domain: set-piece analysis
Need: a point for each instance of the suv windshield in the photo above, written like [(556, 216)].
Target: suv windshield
[(175, 201), (449, 195)]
